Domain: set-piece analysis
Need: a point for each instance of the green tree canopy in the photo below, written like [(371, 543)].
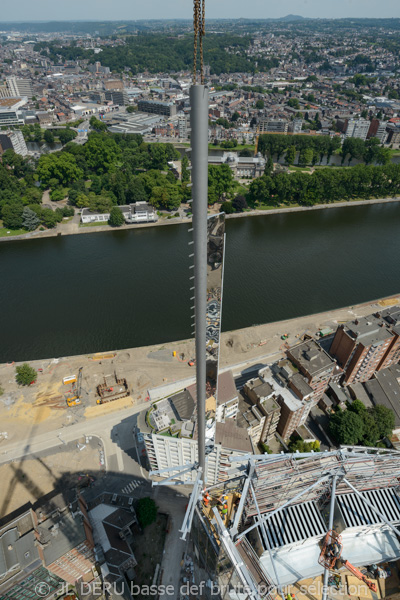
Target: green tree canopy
[(116, 217), (30, 220), (146, 511), (25, 374), (347, 427), (61, 166)]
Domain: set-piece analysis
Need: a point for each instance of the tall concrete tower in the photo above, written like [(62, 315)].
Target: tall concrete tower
[(209, 242)]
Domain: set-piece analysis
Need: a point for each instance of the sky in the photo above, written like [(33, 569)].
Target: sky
[(49, 10)]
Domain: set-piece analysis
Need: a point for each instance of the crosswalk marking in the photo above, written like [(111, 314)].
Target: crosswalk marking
[(131, 486)]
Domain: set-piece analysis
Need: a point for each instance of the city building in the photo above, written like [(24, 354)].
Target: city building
[(292, 393), (273, 126), (227, 404), (266, 408), (377, 129), (19, 88), (361, 346), (119, 97), (157, 107), (166, 452), (183, 127), (296, 126), (13, 140), (141, 212), (10, 113), (357, 128), (241, 166), (65, 543), (315, 364)]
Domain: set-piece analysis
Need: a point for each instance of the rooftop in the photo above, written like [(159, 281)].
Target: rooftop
[(368, 330), (232, 437), (311, 357)]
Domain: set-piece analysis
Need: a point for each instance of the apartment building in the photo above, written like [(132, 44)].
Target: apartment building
[(13, 140), (357, 128), (273, 126), (315, 364), (227, 404), (362, 346), (164, 451), (262, 395), (157, 107), (377, 129), (18, 88), (292, 394), (65, 543)]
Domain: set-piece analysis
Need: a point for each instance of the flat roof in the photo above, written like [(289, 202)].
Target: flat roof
[(311, 357), (232, 437), (226, 388)]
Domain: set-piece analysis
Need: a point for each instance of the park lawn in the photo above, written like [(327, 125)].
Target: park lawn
[(4, 231), (235, 149), (96, 224)]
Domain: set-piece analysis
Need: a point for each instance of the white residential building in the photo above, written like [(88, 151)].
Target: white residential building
[(141, 212), (19, 87), (164, 452), (358, 128)]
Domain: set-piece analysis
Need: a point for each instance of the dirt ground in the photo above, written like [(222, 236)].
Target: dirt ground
[(42, 407), (27, 480)]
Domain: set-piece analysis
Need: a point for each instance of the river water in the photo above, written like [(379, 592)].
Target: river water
[(102, 291)]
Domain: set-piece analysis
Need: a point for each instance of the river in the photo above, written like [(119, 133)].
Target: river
[(86, 293)]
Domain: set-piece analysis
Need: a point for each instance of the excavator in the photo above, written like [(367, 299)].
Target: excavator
[(331, 552), (74, 398)]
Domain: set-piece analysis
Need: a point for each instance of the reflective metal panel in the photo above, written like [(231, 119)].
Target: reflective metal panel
[(215, 273)]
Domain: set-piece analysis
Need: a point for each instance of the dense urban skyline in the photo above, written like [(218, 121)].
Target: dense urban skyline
[(122, 9)]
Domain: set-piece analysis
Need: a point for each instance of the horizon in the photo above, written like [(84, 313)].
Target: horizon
[(122, 10)]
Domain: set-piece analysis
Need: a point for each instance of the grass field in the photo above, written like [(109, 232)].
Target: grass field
[(4, 232)]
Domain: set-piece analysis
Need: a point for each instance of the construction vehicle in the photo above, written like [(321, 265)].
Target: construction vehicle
[(192, 362), (331, 552), (75, 398)]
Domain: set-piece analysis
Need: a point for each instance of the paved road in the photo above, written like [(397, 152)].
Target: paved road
[(107, 427)]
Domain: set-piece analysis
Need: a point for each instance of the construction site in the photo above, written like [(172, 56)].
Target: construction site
[(315, 526)]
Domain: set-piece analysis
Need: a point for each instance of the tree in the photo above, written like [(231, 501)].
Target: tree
[(25, 374), (131, 109), (260, 104), (57, 195), (220, 181), (48, 218), (66, 135), (290, 155), (97, 125), (294, 103), (48, 136), (306, 156), (12, 215), (384, 419), (146, 511), (239, 203), (116, 217), (185, 172), (269, 166), (30, 220), (61, 166), (227, 207), (346, 427)]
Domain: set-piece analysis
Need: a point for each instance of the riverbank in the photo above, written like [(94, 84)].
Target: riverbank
[(73, 227), (42, 406)]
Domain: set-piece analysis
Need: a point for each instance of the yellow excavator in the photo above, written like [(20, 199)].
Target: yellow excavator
[(75, 398)]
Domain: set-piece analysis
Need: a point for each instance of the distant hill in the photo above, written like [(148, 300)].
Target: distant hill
[(289, 18)]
